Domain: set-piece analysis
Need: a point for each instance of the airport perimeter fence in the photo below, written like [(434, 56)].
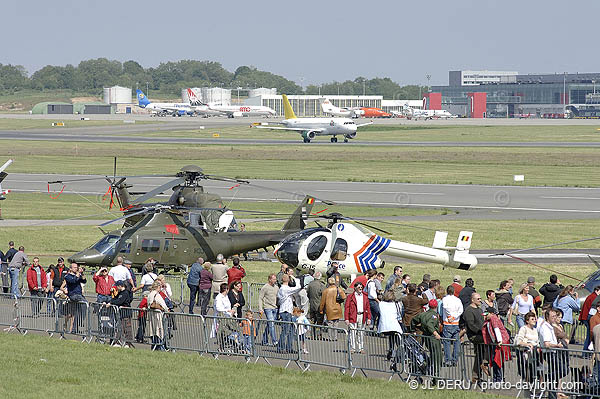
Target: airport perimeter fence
[(422, 361)]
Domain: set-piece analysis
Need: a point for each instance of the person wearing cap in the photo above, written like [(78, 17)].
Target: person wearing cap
[(429, 324), (456, 285), (104, 283), (537, 298), (123, 300), (120, 272), (57, 274), (452, 309)]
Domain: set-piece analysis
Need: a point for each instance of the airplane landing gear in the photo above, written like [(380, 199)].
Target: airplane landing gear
[(334, 139), (306, 140), (346, 140)]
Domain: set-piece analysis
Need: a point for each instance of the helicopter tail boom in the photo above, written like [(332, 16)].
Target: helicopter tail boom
[(298, 219)]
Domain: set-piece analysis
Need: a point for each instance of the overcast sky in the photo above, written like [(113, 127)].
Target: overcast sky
[(319, 41)]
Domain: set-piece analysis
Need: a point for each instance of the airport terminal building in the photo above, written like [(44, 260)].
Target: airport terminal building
[(509, 94)]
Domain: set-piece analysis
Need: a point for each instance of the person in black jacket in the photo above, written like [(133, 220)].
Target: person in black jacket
[(504, 300), (123, 301), (8, 256), (473, 319), (551, 290), (466, 292)]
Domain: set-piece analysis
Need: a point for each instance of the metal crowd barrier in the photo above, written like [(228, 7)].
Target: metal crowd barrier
[(332, 349), (185, 332), (37, 314), (73, 318), (229, 336), (519, 370), (254, 289), (9, 311)]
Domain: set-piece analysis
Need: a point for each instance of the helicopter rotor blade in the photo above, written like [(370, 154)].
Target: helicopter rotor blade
[(372, 227), (225, 178), (126, 216), (328, 202), (158, 190)]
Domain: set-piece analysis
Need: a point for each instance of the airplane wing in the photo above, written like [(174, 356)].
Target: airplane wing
[(364, 124), (294, 129)]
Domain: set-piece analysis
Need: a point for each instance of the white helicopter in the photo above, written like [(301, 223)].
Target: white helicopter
[(3, 175), (357, 250)]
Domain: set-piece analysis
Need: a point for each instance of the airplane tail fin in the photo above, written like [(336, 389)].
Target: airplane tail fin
[(287, 107), (326, 105), (142, 99), (298, 219), (194, 100)]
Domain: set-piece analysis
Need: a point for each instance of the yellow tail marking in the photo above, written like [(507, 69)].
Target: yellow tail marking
[(289, 112)]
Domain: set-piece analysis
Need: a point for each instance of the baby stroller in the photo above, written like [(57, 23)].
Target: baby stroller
[(415, 356)]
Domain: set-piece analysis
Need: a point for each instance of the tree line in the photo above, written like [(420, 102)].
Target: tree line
[(90, 76)]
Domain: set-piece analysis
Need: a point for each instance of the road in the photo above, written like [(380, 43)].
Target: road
[(473, 201), (89, 134)]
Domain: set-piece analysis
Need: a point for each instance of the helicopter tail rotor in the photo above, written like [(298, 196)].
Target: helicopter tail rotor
[(297, 220)]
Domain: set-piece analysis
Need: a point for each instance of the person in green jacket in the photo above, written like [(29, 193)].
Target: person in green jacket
[(429, 323)]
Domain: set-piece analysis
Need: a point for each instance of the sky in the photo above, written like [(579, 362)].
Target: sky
[(310, 41)]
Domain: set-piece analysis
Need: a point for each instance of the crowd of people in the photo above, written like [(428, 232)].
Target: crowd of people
[(441, 317)]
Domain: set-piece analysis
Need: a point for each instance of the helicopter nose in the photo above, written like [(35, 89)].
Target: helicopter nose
[(288, 253), (87, 257)]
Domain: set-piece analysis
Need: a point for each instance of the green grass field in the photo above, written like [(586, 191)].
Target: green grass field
[(575, 167), (97, 371)]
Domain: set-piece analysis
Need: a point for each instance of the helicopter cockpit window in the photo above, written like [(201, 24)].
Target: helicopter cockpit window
[(106, 245), (592, 281), (126, 248), (340, 249), (315, 247), (150, 245)]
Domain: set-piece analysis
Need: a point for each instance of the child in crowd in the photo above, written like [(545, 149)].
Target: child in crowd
[(303, 327), (248, 330), (141, 330)]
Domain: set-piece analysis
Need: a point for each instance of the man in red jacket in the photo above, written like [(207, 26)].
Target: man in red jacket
[(584, 315), (236, 273), (38, 285), (357, 313)]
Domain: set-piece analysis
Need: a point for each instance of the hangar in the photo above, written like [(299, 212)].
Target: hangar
[(52, 108), (309, 105)]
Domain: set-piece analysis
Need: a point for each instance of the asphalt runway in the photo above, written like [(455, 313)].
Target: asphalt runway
[(73, 135), (471, 201)]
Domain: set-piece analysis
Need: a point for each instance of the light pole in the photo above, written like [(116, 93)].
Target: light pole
[(147, 89), (238, 90), (564, 88), (428, 76)]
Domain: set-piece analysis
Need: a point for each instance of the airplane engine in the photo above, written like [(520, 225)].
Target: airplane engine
[(309, 135), (237, 114)]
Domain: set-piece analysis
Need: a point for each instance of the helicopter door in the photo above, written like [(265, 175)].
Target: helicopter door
[(314, 250), (174, 251), (340, 250)]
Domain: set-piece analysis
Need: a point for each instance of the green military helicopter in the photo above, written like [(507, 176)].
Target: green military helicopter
[(191, 224)]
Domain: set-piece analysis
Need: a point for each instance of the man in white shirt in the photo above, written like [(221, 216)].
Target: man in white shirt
[(120, 272), (548, 340), (452, 309), (429, 294), (286, 308)]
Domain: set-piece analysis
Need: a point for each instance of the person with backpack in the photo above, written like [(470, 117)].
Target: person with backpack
[(429, 323)]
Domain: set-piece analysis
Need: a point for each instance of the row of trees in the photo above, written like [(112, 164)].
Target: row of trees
[(91, 76)]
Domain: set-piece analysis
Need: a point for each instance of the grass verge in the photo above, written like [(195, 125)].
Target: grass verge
[(98, 371)]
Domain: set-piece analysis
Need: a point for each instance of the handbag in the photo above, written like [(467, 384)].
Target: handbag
[(338, 297), (155, 305)]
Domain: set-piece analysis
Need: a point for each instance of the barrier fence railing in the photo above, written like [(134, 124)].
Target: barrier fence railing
[(254, 289), (506, 369)]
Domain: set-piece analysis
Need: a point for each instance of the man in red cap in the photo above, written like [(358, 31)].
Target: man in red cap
[(429, 323)]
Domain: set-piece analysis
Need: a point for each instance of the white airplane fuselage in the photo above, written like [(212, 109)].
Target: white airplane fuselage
[(330, 126), (243, 110), (170, 107)]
